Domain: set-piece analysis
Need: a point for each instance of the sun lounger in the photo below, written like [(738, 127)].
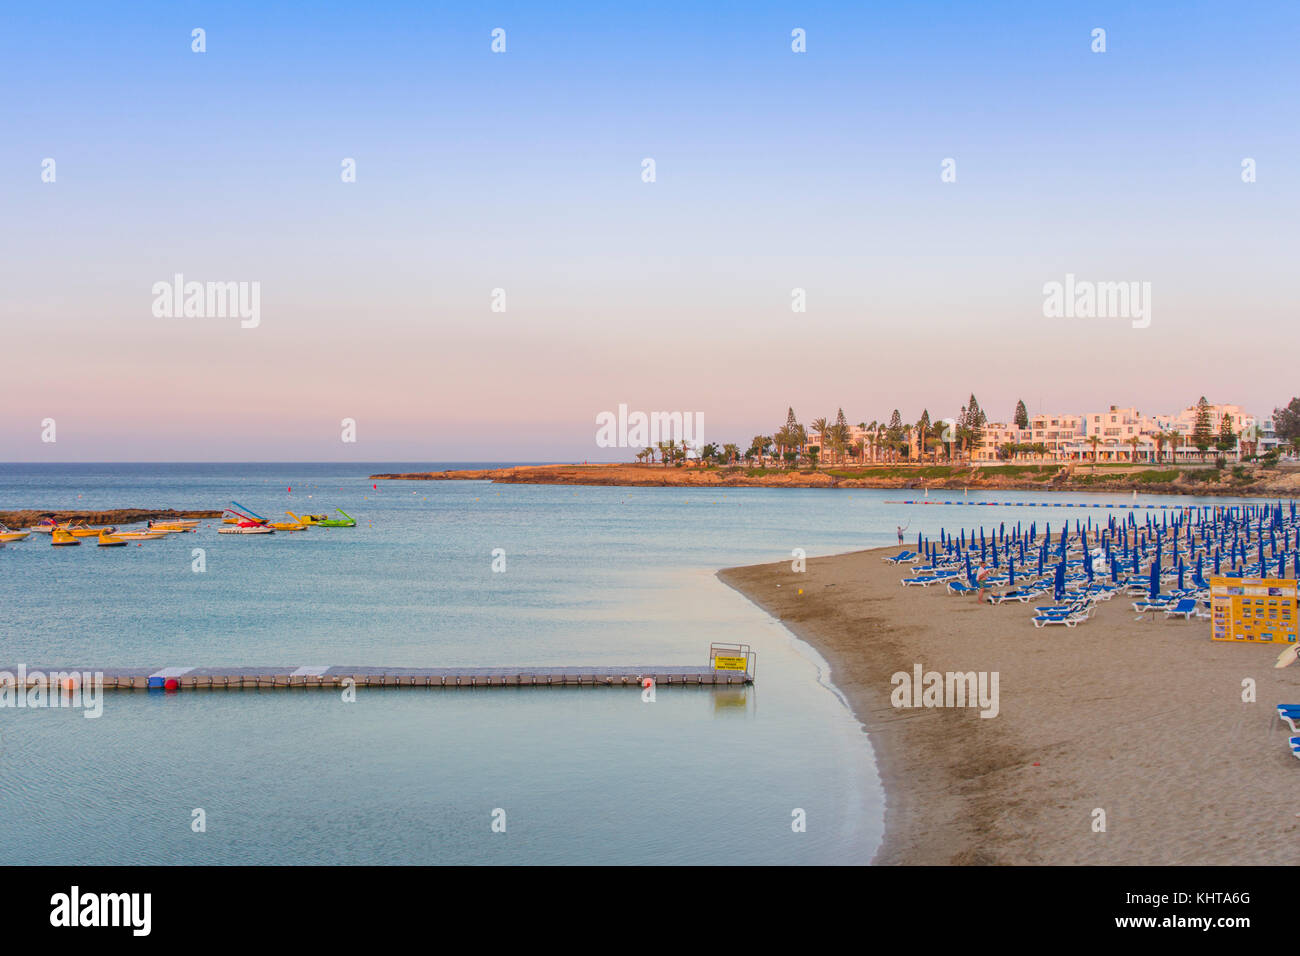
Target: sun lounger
[(1069, 620), (956, 587), (1158, 604), (1295, 746), (900, 558), (1022, 595), (1185, 608), (925, 581), (1290, 715)]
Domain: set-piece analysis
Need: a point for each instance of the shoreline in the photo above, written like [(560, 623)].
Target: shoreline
[(28, 517), (1140, 719), (1259, 483)]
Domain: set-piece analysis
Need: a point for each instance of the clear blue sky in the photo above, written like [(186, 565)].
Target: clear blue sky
[(522, 171)]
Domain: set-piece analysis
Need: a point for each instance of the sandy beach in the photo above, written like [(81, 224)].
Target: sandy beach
[(1141, 719)]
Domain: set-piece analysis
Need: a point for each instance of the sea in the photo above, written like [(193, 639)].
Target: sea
[(437, 573)]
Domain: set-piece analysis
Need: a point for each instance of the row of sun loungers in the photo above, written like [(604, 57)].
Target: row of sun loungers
[(1080, 597)]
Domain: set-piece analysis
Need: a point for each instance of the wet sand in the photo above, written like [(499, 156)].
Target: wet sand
[(1143, 720)]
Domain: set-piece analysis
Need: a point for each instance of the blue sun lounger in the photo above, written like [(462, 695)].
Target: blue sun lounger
[(1295, 746), (1290, 715), (900, 558), (1185, 608), (1069, 619), (1023, 595), (956, 587)]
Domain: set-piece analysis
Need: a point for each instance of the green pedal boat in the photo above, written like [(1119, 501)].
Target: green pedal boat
[(347, 521)]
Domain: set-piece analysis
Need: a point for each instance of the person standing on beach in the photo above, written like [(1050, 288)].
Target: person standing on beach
[(901, 529), (982, 582)]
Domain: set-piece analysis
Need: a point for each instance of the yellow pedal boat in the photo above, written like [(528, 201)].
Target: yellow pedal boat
[(82, 532), (60, 538), (107, 540)]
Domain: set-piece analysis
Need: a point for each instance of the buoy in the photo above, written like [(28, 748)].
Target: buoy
[(647, 682), (171, 684)]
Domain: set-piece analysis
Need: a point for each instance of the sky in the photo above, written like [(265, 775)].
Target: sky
[(522, 171)]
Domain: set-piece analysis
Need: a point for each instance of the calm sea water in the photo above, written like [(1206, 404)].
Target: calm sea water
[(593, 575)]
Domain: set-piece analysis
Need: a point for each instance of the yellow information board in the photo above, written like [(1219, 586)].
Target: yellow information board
[(1257, 610), (721, 663)]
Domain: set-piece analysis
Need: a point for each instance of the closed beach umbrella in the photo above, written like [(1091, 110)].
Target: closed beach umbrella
[(1180, 574), (1087, 564), (970, 575), (1011, 570), (1058, 583), (1154, 591)]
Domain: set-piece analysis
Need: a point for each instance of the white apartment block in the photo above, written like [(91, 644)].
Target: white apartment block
[(1122, 435), (1047, 438)]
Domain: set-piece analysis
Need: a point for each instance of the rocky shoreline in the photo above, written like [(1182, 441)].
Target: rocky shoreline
[(28, 517), (1250, 482)]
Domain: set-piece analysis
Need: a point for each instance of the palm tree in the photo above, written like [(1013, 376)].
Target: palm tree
[(732, 452), (1175, 439), (1094, 441), (821, 426), (1133, 442), (1160, 438)]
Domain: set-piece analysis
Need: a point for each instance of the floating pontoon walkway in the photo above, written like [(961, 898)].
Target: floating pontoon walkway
[(206, 678)]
